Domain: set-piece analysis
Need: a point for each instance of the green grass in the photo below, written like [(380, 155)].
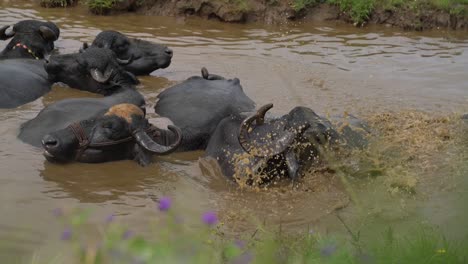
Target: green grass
[(58, 3), (173, 241), (299, 5), (100, 6), (360, 10)]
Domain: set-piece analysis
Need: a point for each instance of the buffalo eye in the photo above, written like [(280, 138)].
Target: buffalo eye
[(108, 125), (82, 64)]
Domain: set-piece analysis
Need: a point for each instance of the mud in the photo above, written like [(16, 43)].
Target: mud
[(282, 12)]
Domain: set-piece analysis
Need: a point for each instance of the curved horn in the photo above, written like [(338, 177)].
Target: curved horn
[(85, 46), (272, 149), (47, 33), (4, 35), (98, 76), (146, 142), (125, 62)]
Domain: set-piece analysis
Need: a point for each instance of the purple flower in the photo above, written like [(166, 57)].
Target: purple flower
[(57, 212), (245, 258), (110, 219), (127, 234), (239, 243), (164, 204), (66, 234), (210, 218), (328, 250)]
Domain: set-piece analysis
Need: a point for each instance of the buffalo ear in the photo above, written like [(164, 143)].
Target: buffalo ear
[(85, 46), (47, 33), (142, 156)]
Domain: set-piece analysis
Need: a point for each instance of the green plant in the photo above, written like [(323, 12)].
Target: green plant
[(298, 5), (100, 6), (359, 10), (58, 3), (173, 241)]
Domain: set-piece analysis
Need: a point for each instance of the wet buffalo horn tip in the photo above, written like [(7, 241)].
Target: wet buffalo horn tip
[(4, 35), (204, 73), (125, 62), (47, 33), (99, 76), (261, 113)]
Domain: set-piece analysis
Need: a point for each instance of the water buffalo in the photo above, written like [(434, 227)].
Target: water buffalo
[(120, 133), (94, 70), (22, 75), (30, 39), (198, 104), (146, 56), (254, 150), (99, 71)]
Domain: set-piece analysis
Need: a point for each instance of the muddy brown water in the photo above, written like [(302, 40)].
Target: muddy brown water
[(330, 68)]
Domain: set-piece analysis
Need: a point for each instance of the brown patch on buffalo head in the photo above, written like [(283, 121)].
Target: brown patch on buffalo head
[(125, 111)]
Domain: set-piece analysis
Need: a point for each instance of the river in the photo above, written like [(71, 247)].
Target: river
[(390, 77)]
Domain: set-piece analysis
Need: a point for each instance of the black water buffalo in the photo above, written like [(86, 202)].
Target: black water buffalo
[(99, 71), (198, 104), (281, 147), (120, 133), (22, 75), (29, 39), (146, 56)]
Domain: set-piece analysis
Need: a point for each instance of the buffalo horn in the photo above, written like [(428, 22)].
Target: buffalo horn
[(4, 35), (146, 142), (85, 46), (47, 33), (204, 73), (125, 62), (98, 76), (275, 148)]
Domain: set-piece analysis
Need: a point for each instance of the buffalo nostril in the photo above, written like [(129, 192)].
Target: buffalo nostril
[(169, 52), (49, 142)]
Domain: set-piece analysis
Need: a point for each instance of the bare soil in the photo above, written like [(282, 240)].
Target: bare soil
[(281, 12)]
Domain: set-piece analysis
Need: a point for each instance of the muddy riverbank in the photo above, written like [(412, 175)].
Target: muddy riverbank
[(409, 15)]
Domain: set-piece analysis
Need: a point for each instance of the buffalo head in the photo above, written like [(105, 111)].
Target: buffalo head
[(29, 39), (121, 133), (146, 56), (256, 149), (95, 70)]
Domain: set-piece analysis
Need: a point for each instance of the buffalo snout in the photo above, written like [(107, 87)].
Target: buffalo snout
[(50, 142)]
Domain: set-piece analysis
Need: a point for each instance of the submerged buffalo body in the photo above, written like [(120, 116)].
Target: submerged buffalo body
[(120, 133), (29, 39), (22, 81), (22, 75), (99, 72), (198, 104), (245, 146), (146, 56)]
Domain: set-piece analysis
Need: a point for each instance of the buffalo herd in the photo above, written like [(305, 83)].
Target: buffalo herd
[(207, 112)]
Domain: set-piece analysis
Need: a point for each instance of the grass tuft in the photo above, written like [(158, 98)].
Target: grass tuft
[(58, 3)]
